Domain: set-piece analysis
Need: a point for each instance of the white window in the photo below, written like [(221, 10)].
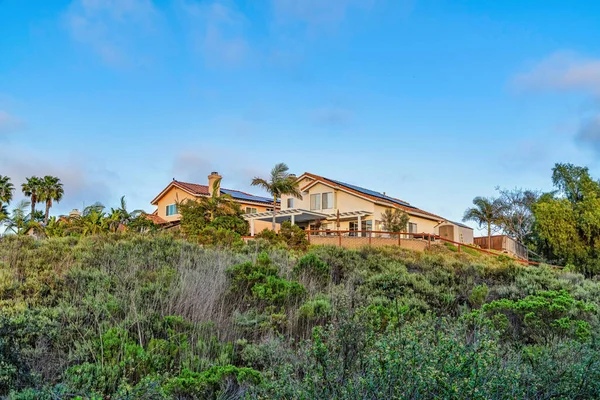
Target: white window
[(269, 208), (290, 202), (412, 227), (327, 200), (250, 210), (315, 201), (171, 209)]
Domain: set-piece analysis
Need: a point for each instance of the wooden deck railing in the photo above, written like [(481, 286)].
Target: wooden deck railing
[(416, 241)]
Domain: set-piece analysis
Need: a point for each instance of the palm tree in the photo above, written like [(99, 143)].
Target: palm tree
[(280, 182), (32, 189), (6, 191), (487, 212), (51, 189), (218, 204), (18, 222), (125, 216)]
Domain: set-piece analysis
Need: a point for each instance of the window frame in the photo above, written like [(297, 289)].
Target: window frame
[(290, 202), (412, 227), (171, 207), (317, 202), (251, 208), (324, 196)]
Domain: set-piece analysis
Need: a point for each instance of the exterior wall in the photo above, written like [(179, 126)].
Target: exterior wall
[(467, 235), (347, 202), (424, 225), (341, 200), (174, 195), (354, 242)]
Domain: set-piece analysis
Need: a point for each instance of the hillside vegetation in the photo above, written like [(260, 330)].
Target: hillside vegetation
[(130, 316)]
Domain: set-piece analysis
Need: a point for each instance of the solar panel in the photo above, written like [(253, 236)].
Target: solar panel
[(243, 196), (373, 193)]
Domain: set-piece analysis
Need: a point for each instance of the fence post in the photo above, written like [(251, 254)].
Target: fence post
[(370, 235), (399, 239), (428, 242), (340, 238), (459, 247), (308, 236)]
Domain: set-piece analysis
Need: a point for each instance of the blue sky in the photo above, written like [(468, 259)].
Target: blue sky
[(434, 102)]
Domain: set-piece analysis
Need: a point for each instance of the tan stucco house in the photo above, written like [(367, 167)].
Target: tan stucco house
[(177, 192), (326, 201)]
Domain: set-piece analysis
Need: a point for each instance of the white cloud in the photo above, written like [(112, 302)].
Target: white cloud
[(218, 31), (110, 27), (563, 71)]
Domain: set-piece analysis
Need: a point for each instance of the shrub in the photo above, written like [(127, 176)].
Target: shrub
[(293, 236), (218, 381), (261, 284), (219, 237), (542, 318), (312, 266)]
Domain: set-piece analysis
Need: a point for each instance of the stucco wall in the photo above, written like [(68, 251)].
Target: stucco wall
[(347, 202), (353, 242), (174, 195), (466, 234)]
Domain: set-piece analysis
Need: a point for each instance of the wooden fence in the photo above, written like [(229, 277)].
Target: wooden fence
[(504, 244), (413, 241)]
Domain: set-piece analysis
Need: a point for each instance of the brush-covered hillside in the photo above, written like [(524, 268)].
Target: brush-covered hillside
[(135, 316)]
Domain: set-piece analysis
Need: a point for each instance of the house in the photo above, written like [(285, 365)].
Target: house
[(177, 191), (327, 202), (455, 231)]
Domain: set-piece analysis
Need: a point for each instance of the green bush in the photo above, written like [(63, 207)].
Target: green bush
[(312, 266), (260, 284), (542, 318)]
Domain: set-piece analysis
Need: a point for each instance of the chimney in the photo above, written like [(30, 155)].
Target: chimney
[(214, 178), (75, 213)]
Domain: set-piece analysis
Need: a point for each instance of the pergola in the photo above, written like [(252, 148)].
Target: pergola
[(294, 215)]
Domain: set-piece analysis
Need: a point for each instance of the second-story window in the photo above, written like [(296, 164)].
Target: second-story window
[(171, 210), (327, 200), (315, 201), (412, 227), (250, 210), (290, 202)]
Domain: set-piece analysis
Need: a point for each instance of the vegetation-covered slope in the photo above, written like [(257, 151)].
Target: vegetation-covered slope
[(152, 317)]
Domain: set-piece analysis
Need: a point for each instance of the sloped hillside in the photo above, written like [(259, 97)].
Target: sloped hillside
[(154, 317)]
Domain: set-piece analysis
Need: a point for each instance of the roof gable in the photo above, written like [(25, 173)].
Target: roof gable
[(202, 190), (368, 194)]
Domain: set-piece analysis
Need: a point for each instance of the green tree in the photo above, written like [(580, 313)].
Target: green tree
[(567, 222), (487, 212), (51, 189), (6, 191), (92, 221), (280, 183), (32, 188), (217, 210), (394, 220), (19, 221), (517, 219)]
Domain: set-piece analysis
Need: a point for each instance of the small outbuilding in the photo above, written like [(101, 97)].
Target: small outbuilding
[(455, 231)]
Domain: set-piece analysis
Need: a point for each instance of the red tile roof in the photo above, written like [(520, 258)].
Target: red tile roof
[(156, 219)]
